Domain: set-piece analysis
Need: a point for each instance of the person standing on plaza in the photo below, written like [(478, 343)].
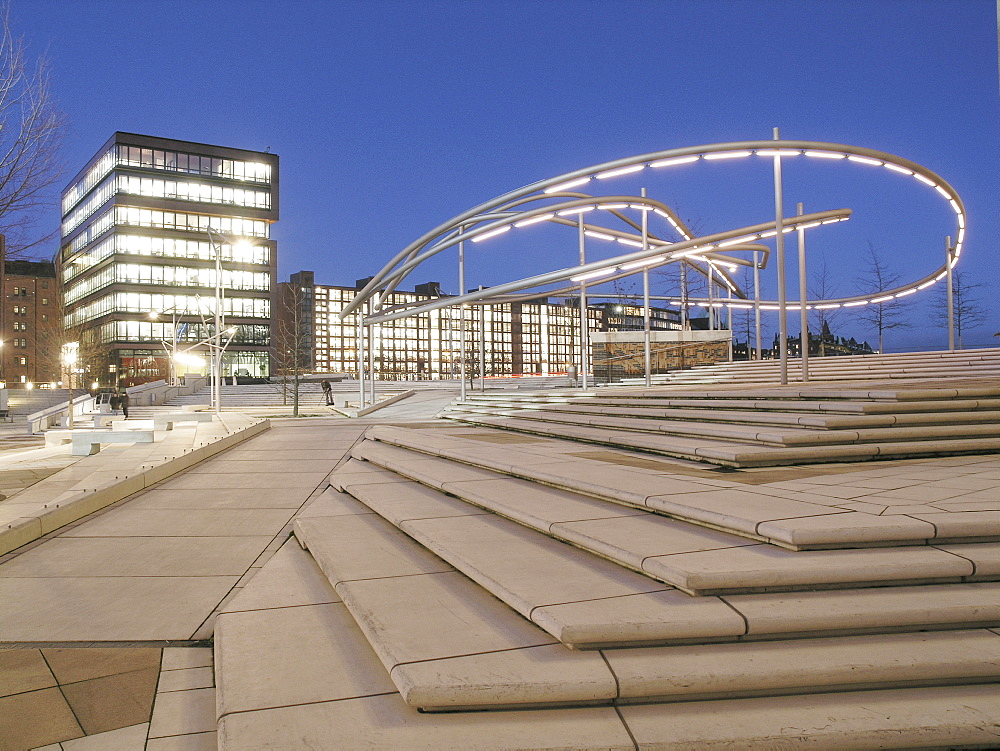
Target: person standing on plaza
[(124, 403), (327, 391)]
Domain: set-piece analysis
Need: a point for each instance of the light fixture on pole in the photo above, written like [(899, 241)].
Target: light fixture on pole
[(70, 352)]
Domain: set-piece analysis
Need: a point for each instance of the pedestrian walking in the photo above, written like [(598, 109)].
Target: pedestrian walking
[(327, 392), (124, 403)]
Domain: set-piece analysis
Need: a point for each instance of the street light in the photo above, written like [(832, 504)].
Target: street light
[(171, 367), (215, 240), (70, 351)]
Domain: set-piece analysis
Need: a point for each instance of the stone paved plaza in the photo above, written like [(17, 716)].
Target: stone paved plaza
[(410, 582)]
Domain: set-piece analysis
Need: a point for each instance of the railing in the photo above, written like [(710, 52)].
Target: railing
[(55, 416)]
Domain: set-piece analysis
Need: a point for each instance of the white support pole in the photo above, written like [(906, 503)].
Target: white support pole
[(951, 295), (711, 296), (756, 300), (360, 315), (584, 323), (803, 312), (646, 354), (684, 296), (780, 242), (482, 346), (461, 315)]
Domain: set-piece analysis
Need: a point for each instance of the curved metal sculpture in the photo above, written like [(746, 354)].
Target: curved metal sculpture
[(520, 209)]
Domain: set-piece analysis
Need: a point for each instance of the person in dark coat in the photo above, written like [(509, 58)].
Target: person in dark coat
[(327, 392), (124, 403), (115, 402)]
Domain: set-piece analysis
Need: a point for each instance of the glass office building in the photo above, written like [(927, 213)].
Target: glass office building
[(142, 224), (538, 337)]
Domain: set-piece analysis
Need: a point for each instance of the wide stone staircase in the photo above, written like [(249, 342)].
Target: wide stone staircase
[(762, 426), (462, 587), (890, 366)]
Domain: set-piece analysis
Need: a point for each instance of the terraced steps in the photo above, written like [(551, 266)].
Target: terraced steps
[(769, 427), (426, 622), (327, 688), (691, 558), (797, 518), (891, 366)]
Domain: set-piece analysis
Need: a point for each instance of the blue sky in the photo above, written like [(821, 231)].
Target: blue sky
[(391, 117)]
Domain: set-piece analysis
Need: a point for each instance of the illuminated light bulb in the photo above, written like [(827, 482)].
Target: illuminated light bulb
[(769, 307), (533, 220), (961, 236), (610, 206), (856, 303), (728, 154), (880, 299), (865, 160), (591, 275), (640, 207), (493, 233), (643, 262), (925, 285), (808, 225), (925, 180), (633, 243), (737, 240), (675, 160), (568, 185), (827, 306), (771, 233), (778, 152), (825, 154), (740, 306), (905, 293), (620, 171), (961, 221), (897, 168), (943, 192), (954, 205), (831, 221), (577, 210), (664, 214), (598, 235), (940, 276)]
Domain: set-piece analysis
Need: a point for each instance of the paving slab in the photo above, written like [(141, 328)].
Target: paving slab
[(126, 521), (945, 717), (291, 578), (654, 618), (321, 663), (388, 723), (765, 567), (128, 556), (132, 738), (872, 610), (107, 608), (707, 671), (183, 712), (404, 501), (184, 658), (217, 498), (23, 670), (37, 718), (522, 567), (351, 548)]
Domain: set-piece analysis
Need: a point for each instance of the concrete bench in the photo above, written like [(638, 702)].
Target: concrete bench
[(166, 421), (87, 442)]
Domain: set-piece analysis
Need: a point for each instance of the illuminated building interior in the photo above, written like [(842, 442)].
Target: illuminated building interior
[(137, 262)]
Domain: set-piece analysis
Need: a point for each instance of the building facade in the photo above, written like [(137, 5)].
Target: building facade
[(537, 337), (30, 325), (144, 225)]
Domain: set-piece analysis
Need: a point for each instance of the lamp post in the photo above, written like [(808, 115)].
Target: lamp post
[(70, 350), (215, 240), (172, 365)]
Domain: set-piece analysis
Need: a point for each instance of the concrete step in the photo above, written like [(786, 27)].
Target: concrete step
[(796, 518), (691, 558), (962, 427), (451, 648)]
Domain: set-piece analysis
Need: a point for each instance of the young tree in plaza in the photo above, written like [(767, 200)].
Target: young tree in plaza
[(875, 278), (822, 287)]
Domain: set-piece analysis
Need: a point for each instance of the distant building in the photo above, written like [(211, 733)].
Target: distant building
[(533, 337), (30, 326), (135, 242)]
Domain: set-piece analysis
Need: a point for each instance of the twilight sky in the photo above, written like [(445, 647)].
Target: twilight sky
[(391, 117)]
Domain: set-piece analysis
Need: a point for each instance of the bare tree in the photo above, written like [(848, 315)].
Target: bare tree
[(969, 312), (31, 131), (289, 338), (875, 279), (822, 287)]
